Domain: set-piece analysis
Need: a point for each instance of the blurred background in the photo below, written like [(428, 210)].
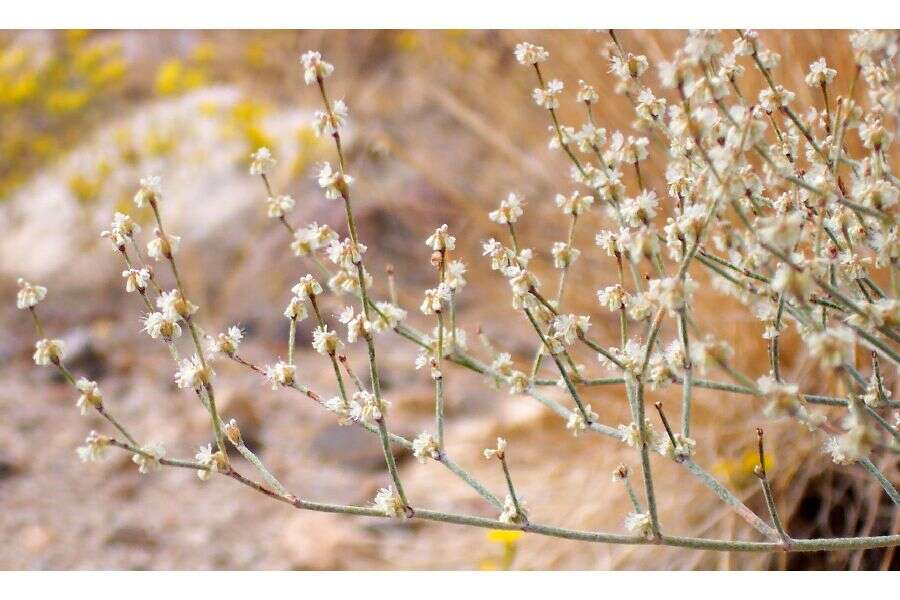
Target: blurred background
[(441, 127)]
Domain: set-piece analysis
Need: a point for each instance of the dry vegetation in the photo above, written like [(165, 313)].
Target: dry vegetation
[(442, 127)]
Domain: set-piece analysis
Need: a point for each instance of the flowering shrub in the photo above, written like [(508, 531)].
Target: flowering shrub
[(763, 197)]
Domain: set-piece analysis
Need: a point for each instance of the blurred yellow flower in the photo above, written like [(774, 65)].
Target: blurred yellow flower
[(504, 536)]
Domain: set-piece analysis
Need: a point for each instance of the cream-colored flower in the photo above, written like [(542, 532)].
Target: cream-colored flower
[(29, 295), (314, 68), (90, 395), (48, 352), (262, 162), (279, 374)]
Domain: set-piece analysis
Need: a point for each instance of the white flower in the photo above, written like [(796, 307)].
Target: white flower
[(158, 325), (632, 435), (192, 373), (346, 254), (639, 524), (387, 317), (672, 293), (95, 448), (136, 279), (121, 230), (314, 68), (425, 447), (347, 412), (454, 275), (771, 100), (48, 351), (434, 299), (29, 295), (296, 309), (279, 374), (576, 422), (874, 135), (683, 449), (629, 150), (574, 203), (357, 325), (278, 206), (613, 297), (503, 365), (307, 287), (441, 240), (372, 409), (548, 96), (149, 459), (518, 382), (629, 66), (226, 343), (510, 210), (497, 451), (325, 341), (311, 238), (586, 93), (175, 306), (641, 209), (530, 54), (163, 246), (209, 459), (329, 124), (819, 73), (564, 255), (510, 513), (262, 162), (389, 503), (335, 183), (832, 347), (90, 395), (150, 191)]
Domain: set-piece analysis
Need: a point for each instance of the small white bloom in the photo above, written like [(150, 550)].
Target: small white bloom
[(425, 447), (497, 451), (307, 287), (279, 374), (149, 460), (389, 503), (175, 306), (226, 343), (296, 309), (510, 210), (329, 124), (279, 206), (90, 395), (150, 191), (576, 422), (163, 246), (335, 183), (441, 240), (158, 325), (530, 54), (548, 96), (209, 459), (510, 513), (819, 73), (95, 448), (434, 299), (262, 162), (192, 373), (639, 524), (314, 68), (29, 295), (325, 341), (48, 351), (136, 279)]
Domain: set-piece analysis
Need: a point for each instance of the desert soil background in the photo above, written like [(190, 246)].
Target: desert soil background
[(442, 126)]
